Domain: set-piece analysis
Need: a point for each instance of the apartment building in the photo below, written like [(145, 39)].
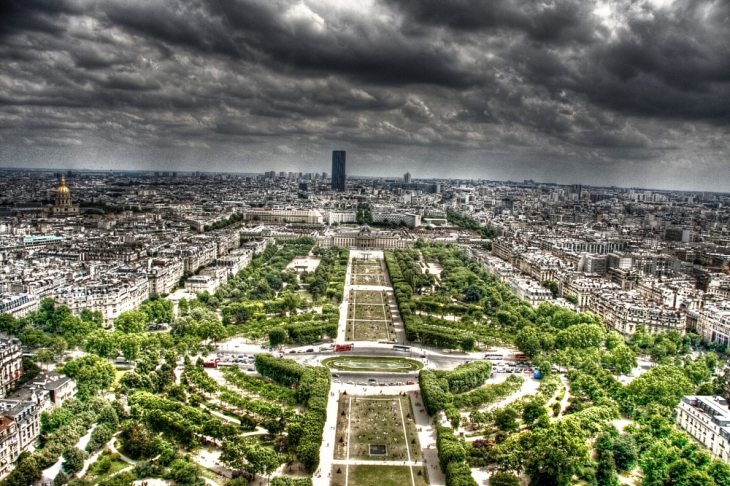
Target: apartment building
[(18, 305), (164, 274), (9, 446), (111, 297), (713, 322), (707, 420), (624, 311), (583, 287), (10, 364), (268, 215)]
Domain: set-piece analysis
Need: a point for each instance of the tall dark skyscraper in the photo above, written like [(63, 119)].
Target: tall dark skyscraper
[(338, 170)]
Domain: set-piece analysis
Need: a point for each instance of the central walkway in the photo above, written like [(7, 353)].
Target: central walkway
[(387, 288), (424, 423)]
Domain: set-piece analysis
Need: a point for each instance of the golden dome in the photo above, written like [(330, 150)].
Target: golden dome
[(63, 188)]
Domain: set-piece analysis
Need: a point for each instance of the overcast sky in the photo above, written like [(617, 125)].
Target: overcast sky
[(631, 93)]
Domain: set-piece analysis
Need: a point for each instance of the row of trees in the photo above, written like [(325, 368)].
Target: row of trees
[(466, 222), (438, 388), (222, 223), (313, 388)]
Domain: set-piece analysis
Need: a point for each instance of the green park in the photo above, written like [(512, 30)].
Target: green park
[(374, 364)]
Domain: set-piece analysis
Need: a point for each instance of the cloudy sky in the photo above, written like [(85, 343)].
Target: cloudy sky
[(632, 93)]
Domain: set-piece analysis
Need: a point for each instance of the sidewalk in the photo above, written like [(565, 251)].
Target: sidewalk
[(427, 439), (327, 449)]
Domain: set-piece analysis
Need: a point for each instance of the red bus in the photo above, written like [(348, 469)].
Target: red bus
[(521, 357), (211, 364), (344, 347)]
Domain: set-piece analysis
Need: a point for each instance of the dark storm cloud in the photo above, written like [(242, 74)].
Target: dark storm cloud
[(504, 85), (557, 21)]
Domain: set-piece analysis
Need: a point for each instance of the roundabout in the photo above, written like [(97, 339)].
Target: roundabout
[(375, 364)]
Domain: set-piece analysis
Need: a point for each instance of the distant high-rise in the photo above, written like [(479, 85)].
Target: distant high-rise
[(338, 170), (407, 178)]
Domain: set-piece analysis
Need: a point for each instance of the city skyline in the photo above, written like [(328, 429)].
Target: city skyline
[(605, 93)]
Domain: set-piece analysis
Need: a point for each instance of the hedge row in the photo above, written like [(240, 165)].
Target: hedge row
[(413, 325), (434, 392), (313, 389), (306, 435), (303, 334), (489, 393), (287, 481), (283, 371), (452, 457), (467, 376), (441, 390)]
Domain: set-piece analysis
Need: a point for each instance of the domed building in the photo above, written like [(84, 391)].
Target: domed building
[(63, 205)]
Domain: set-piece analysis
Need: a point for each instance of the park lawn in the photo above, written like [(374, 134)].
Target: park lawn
[(366, 330), (376, 420), (370, 312), (118, 374), (372, 363), (367, 279), (212, 475), (116, 466), (379, 476), (367, 297)]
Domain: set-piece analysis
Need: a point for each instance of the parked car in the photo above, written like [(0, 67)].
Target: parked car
[(362, 383), (310, 350), (372, 379), (350, 382), (409, 382), (335, 375), (293, 351)]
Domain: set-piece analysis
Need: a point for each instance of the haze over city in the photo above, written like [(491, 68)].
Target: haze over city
[(627, 93)]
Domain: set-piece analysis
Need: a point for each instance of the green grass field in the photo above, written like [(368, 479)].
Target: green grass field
[(379, 476), (114, 466), (369, 317), (375, 364), (367, 296), (366, 272), (380, 420)]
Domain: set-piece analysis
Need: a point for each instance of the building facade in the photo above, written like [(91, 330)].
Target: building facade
[(63, 205), (707, 420)]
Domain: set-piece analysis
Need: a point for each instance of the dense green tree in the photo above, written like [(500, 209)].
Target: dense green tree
[(625, 452), (533, 411), (623, 358), (504, 479), (528, 340), (74, 460), (506, 419), (277, 336), (475, 293), (186, 473), (132, 322), (61, 479), (75, 330), (613, 340), (606, 470), (664, 385), (92, 374), (10, 325), (102, 343)]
